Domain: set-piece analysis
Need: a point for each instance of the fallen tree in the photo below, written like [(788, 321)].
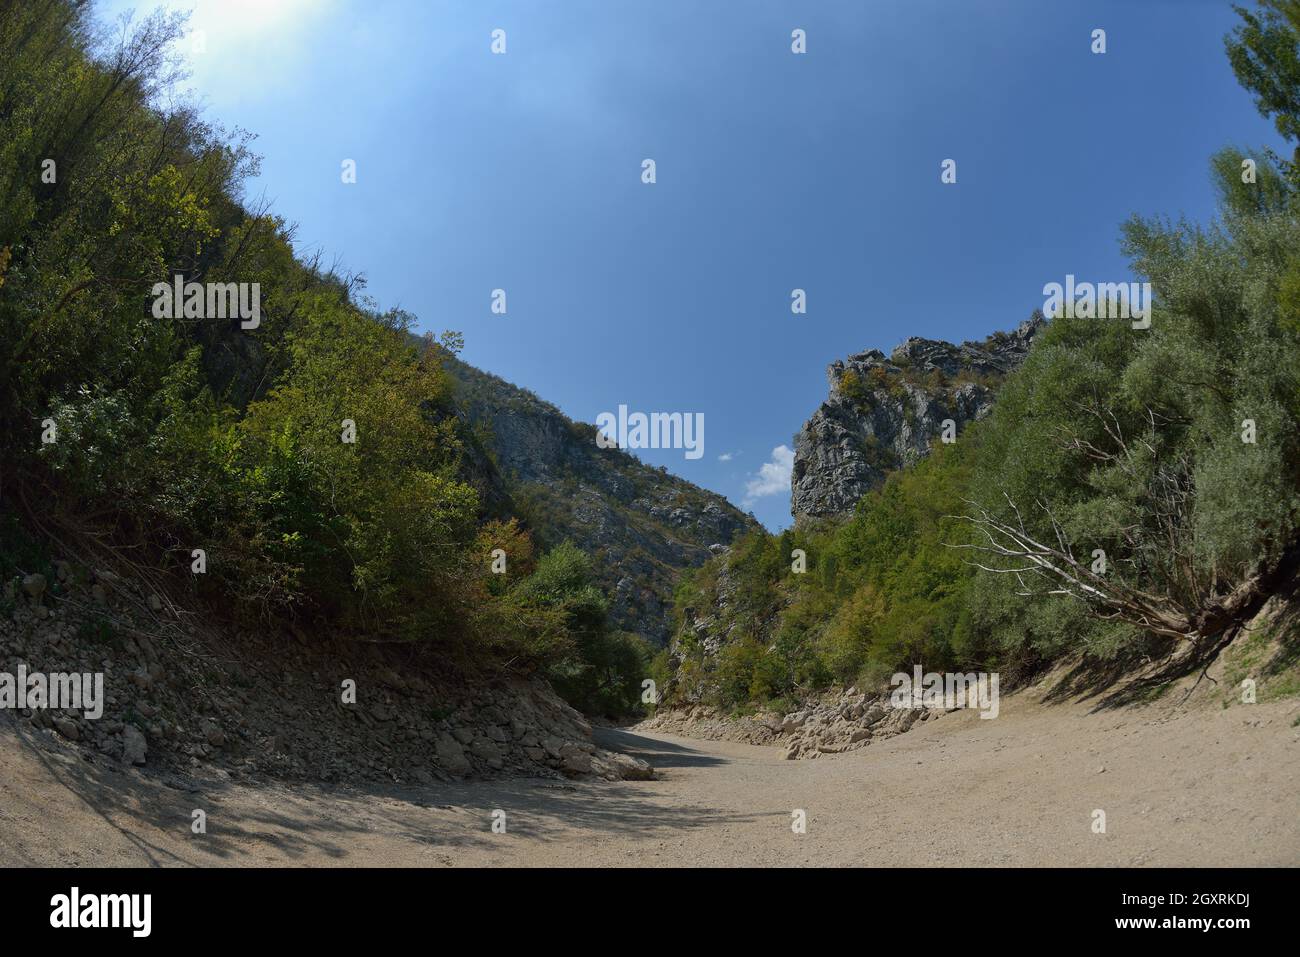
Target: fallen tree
[(1027, 557)]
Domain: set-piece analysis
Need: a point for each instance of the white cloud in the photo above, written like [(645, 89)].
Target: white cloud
[(726, 456), (774, 476)]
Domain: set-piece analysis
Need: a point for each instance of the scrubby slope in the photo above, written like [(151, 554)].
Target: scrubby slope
[(642, 525)]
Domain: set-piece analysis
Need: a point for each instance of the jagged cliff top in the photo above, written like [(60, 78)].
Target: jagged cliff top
[(995, 355), (882, 413)]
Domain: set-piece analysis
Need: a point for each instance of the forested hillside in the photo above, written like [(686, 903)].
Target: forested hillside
[(1133, 491), (306, 463), (640, 524)]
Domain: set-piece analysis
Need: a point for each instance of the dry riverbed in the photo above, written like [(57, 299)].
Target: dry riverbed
[(1207, 786)]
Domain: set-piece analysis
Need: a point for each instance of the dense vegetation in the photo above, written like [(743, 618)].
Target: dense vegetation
[(878, 589), (1133, 488), (136, 439)]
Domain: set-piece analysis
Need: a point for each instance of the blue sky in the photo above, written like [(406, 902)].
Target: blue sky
[(775, 171)]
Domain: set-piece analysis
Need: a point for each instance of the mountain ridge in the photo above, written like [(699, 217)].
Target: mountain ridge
[(642, 525)]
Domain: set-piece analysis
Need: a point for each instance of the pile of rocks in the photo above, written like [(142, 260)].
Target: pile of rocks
[(178, 696), (828, 724)]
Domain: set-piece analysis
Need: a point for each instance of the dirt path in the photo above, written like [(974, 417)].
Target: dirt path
[(1209, 787)]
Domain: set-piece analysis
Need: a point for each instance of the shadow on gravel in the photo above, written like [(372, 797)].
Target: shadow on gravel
[(551, 810), (106, 790), (248, 823), (660, 754), (251, 823)]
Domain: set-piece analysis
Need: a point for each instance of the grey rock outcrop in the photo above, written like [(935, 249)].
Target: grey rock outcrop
[(885, 413), (641, 524), (134, 748)]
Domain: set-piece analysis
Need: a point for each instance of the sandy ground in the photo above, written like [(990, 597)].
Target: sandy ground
[(1206, 787)]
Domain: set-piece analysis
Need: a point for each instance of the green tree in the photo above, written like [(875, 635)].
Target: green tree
[(1132, 441), (1264, 50)]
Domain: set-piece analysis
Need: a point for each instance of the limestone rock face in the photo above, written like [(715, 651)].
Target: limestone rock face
[(641, 524), (885, 413)]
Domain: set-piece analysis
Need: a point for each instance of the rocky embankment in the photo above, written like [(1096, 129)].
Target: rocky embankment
[(828, 724), (178, 697), (884, 413), (1260, 661)]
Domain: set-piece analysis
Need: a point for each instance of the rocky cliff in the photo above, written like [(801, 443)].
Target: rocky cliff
[(883, 413), (640, 524)]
